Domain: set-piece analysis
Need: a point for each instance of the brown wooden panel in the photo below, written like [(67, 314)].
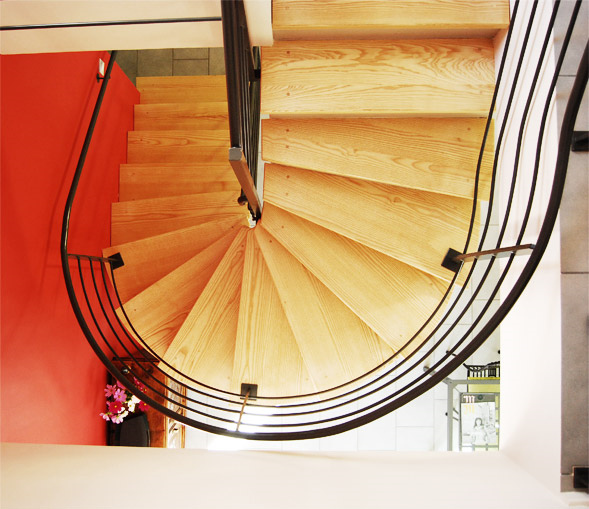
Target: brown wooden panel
[(434, 77), (391, 297), (438, 155), (415, 227)]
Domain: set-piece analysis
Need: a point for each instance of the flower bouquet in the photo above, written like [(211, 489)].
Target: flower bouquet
[(120, 402)]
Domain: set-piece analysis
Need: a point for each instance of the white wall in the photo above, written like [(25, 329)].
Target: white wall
[(81, 477), (530, 335), (176, 35)]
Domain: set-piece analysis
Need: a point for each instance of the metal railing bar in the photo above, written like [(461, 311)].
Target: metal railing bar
[(84, 24)]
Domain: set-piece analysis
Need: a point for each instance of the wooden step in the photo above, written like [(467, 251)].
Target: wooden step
[(415, 227), (179, 146), (145, 180), (153, 117), (266, 351), (434, 77), (158, 312), (134, 220), (204, 347), (335, 344), (438, 155), (148, 260), (392, 298), (376, 19), (182, 89)]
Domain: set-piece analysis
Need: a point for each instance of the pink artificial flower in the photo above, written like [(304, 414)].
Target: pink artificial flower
[(139, 385), (120, 385), (109, 391), (120, 395), (106, 417), (143, 406), (114, 407), (117, 419)]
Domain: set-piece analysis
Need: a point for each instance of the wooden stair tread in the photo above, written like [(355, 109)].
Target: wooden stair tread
[(266, 351), (202, 115), (134, 220), (204, 347), (139, 181), (392, 298), (431, 154), (148, 260), (335, 344), (182, 146), (438, 77), (360, 19), (158, 312), (177, 89), (415, 227)]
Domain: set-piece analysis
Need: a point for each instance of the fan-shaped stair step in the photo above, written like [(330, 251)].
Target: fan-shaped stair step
[(421, 78), (266, 350), (159, 311), (206, 115), (157, 180), (204, 347), (182, 89), (134, 220), (379, 216), (431, 154), (361, 19), (391, 297), (148, 260)]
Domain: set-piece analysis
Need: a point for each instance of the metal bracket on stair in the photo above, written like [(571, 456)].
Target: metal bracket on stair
[(580, 141), (453, 260), (251, 389), (116, 261), (581, 478)]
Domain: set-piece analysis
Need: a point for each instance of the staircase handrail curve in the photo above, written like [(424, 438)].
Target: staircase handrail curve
[(457, 354), (242, 74)]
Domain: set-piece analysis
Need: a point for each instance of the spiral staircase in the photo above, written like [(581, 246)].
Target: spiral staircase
[(371, 151), (335, 305)]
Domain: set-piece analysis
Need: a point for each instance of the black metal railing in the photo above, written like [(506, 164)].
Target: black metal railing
[(242, 71), (91, 281)]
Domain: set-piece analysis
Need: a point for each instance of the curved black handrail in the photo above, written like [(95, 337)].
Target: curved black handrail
[(121, 22), (373, 395)]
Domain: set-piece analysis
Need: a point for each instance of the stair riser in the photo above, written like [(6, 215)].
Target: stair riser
[(436, 155)]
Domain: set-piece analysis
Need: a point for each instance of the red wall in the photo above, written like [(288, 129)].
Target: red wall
[(52, 383)]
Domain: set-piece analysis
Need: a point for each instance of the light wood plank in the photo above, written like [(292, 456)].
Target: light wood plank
[(141, 181), (204, 347), (437, 77), (412, 226), (134, 220), (153, 117), (148, 260), (178, 146), (392, 298), (438, 155), (158, 312), (361, 19), (178, 89), (266, 352), (335, 344)]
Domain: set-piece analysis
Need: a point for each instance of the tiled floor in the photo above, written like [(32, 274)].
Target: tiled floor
[(171, 62)]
